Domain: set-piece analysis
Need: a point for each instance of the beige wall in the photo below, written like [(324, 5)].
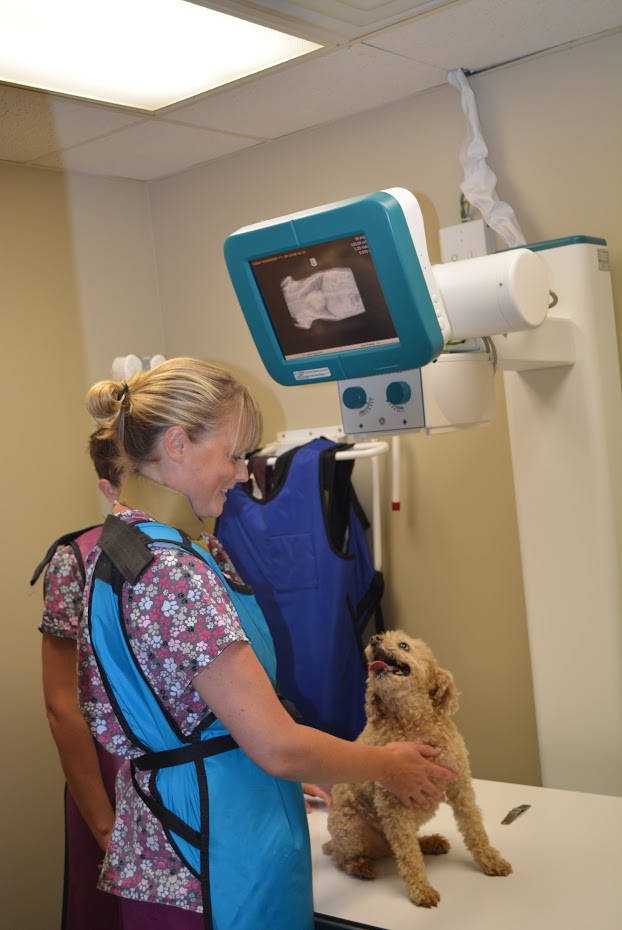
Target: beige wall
[(116, 274), (46, 490), (77, 286), (81, 282)]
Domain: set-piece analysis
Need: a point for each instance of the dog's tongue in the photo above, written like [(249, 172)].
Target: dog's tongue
[(377, 666)]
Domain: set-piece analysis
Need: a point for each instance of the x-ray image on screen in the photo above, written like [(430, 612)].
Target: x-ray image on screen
[(325, 295), (324, 298)]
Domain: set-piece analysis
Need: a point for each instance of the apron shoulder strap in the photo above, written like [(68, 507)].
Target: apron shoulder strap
[(127, 548), (67, 540)]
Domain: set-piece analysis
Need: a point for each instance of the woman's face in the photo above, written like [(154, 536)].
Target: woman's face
[(211, 468)]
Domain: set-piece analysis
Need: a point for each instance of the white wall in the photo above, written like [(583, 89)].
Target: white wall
[(453, 567)]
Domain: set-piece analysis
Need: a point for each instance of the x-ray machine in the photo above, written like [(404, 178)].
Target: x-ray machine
[(346, 292)]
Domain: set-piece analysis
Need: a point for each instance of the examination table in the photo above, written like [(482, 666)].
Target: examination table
[(566, 852)]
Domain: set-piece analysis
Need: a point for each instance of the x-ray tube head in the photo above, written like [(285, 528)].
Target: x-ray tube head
[(502, 293)]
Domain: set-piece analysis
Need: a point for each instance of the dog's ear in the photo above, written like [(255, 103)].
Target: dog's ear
[(443, 692)]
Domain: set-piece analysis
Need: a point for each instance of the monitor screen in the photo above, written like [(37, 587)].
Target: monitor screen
[(339, 291), (325, 298)]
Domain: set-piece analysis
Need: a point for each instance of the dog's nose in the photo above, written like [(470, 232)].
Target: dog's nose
[(376, 638)]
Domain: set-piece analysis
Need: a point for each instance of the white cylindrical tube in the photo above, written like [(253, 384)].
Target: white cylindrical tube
[(502, 293)]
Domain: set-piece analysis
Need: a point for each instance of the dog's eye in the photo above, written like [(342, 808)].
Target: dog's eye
[(404, 646)]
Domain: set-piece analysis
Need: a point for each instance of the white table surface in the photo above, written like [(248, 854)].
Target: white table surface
[(566, 852)]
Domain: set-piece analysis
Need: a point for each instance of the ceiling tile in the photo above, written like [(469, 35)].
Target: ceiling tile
[(327, 21), (148, 151), (481, 33), (379, 68), (318, 89), (36, 124)]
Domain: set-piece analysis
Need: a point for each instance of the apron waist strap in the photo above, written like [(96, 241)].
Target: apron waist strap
[(193, 752)]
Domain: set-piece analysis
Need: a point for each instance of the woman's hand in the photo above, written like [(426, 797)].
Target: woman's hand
[(237, 690), (103, 837), (316, 791), (411, 773)]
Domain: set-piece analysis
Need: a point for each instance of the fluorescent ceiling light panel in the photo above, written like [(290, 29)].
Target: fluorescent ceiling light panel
[(145, 54)]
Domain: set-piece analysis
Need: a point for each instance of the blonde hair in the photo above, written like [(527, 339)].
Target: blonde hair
[(199, 396)]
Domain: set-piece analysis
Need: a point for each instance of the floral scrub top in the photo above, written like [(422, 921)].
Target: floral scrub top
[(178, 618), (64, 588), (63, 592)]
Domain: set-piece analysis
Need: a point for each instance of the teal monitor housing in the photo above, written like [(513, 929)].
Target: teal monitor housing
[(340, 291)]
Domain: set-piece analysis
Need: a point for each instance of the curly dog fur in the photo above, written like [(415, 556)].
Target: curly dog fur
[(409, 697)]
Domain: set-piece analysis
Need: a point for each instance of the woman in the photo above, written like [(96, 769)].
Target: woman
[(89, 770), (177, 672)]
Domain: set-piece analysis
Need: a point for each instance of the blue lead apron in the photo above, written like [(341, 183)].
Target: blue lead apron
[(303, 548), (241, 832)]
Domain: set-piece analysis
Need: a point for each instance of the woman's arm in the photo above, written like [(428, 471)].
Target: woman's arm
[(72, 736), (238, 691)]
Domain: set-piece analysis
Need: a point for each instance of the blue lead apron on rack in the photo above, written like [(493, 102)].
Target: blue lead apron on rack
[(303, 548), (240, 831)]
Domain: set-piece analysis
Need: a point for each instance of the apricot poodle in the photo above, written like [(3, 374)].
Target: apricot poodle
[(409, 697)]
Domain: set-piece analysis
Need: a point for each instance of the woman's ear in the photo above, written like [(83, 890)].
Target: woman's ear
[(109, 490), (175, 443)]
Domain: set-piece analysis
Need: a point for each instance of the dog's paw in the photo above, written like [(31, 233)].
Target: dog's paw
[(361, 867), (493, 863), (434, 845), (425, 896), (327, 848)]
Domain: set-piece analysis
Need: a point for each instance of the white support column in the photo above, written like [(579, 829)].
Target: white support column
[(566, 437)]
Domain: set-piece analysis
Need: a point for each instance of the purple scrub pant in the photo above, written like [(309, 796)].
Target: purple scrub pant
[(84, 906), (138, 915)]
